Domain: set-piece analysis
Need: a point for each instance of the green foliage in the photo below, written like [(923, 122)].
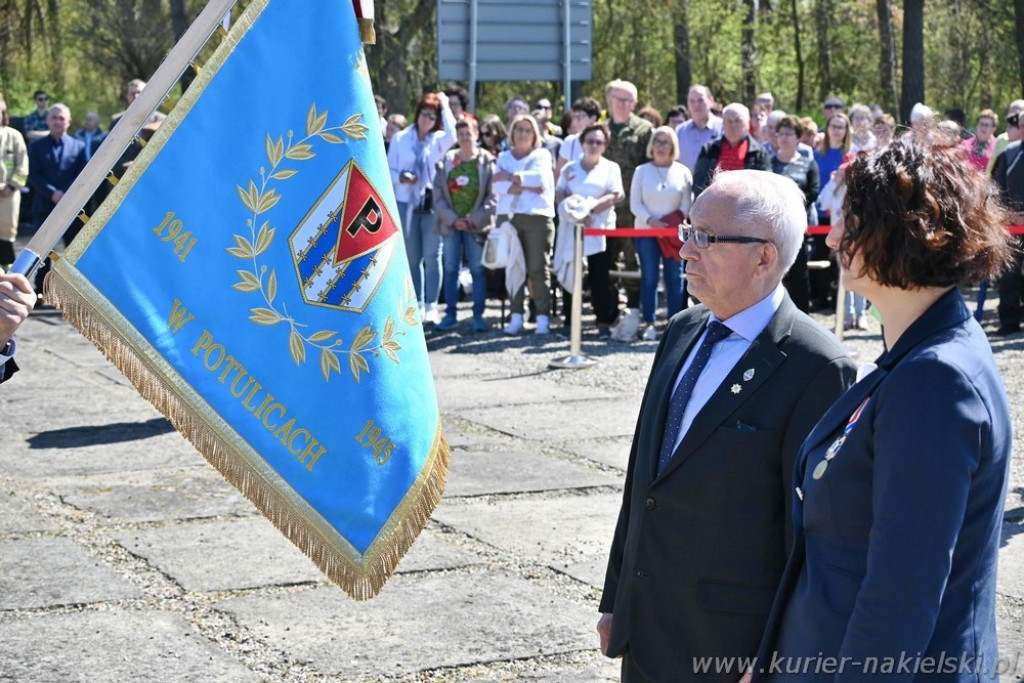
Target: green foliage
[(82, 51)]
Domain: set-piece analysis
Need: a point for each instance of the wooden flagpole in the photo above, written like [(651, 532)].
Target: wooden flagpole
[(118, 140)]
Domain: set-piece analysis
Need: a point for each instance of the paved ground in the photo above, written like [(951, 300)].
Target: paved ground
[(124, 556)]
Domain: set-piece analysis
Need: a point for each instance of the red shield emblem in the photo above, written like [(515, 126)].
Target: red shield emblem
[(343, 246)]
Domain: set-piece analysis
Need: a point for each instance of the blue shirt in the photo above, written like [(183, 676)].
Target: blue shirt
[(692, 138), (746, 326)]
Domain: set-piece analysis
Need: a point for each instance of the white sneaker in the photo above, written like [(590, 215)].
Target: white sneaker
[(430, 314), (650, 334), (515, 324), (543, 325)]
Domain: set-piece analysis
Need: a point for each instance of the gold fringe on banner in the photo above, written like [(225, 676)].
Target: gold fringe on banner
[(366, 32), (361, 576)]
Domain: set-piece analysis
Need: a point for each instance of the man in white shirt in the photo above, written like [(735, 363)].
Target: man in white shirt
[(702, 128)]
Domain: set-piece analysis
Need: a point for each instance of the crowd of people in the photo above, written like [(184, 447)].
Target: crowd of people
[(545, 169), (780, 502)]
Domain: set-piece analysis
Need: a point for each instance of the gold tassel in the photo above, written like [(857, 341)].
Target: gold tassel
[(366, 32), (361, 579)]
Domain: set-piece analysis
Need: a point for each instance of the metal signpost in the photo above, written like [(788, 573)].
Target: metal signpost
[(521, 40)]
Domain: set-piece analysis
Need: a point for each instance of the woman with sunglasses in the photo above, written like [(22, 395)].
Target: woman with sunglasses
[(598, 181), (900, 488), (493, 135), (412, 157), (526, 193)]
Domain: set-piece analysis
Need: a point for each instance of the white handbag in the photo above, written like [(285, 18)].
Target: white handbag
[(496, 248)]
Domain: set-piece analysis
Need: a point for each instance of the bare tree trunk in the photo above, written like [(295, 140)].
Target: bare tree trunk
[(824, 21), (887, 64), (749, 51), (684, 74), (180, 24), (913, 57), (388, 59), (1018, 33), (799, 54), (56, 43)]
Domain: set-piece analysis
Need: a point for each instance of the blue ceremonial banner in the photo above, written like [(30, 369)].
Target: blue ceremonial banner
[(248, 275)]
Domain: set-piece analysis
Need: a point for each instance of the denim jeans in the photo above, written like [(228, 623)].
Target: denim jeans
[(650, 260), (453, 245), (855, 304), (423, 247)]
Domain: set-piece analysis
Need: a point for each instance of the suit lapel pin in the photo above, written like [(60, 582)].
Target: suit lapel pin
[(736, 388), (748, 375)]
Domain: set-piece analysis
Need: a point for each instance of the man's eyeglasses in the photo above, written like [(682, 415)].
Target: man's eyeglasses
[(41, 99), (544, 106), (833, 106), (704, 240)]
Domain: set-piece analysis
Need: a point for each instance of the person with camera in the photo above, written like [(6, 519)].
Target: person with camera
[(412, 156)]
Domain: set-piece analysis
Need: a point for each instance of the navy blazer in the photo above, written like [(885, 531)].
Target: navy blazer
[(699, 549), (896, 543), (47, 174)]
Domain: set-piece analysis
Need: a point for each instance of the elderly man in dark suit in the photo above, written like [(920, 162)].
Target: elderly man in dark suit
[(53, 164), (737, 384)]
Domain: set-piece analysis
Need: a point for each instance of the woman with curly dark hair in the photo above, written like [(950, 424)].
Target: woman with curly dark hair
[(900, 486)]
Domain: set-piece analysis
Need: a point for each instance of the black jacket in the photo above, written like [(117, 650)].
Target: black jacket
[(757, 159)]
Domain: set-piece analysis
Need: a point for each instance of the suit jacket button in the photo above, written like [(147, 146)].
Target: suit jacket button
[(649, 503)]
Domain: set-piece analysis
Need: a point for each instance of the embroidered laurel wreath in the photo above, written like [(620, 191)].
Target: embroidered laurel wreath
[(260, 198)]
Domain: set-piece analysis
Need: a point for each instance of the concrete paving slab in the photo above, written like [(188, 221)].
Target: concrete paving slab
[(156, 496), (215, 556), (45, 572), (36, 411), (479, 437), (251, 553), (1011, 560), (612, 450), (605, 672), (474, 473), (150, 646), (108, 447), (458, 365), (431, 552), (17, 515), (563, 421), (560, 530), (458, 393), (418, 622), (590, 572)]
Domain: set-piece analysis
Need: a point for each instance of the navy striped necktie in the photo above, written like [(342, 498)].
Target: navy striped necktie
[(674, 418)]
